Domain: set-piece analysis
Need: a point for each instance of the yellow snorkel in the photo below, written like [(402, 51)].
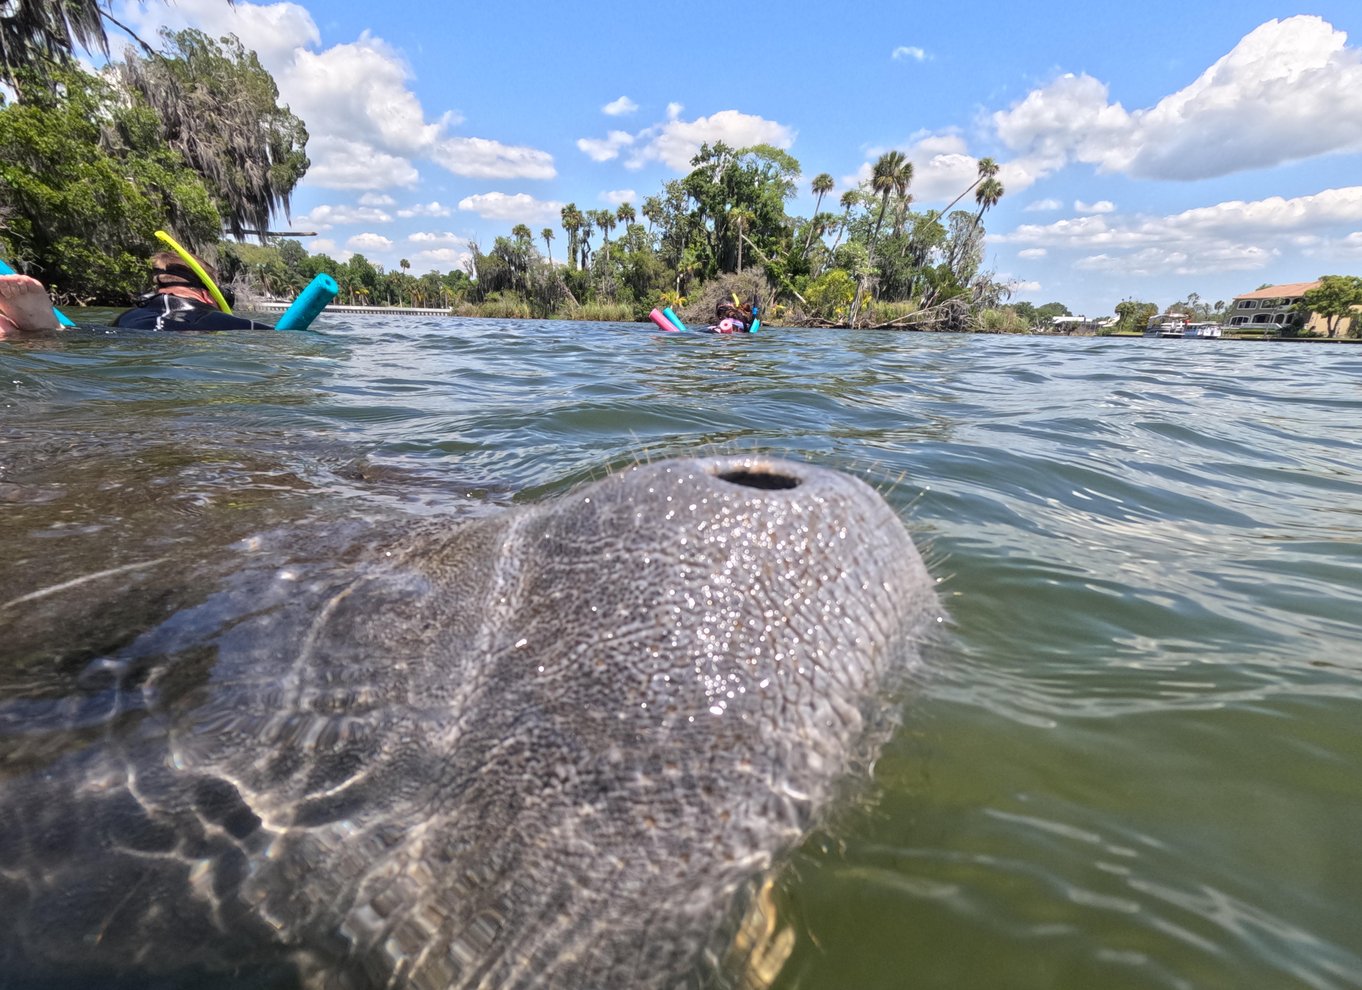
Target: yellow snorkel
[(197, 269)]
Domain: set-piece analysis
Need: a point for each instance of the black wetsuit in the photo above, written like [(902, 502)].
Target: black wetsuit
[(164, 311)]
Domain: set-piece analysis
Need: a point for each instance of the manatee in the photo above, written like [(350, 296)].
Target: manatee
[(554, 747)]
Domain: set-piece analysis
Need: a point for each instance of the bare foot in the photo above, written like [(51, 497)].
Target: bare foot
[(24, 305)]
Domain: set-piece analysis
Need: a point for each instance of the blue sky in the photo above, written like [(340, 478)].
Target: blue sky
[(1147, 150)]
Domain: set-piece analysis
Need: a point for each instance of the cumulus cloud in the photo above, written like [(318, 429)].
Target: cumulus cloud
[(909, 51), (1032, 254), (1291, 89), (442, 259), (620, 107), (362, 136), (1024, 287), (617, 196), (341, 164), (520, 208), (431, 237), (1230, 236), (675, 142), (943, 169), (479, 158), (325, 217), (604, 149), (1101, 206), (369, 241), (377, 199), (432, 209), (1043, 205)]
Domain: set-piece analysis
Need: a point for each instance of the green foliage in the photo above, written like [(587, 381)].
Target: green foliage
[(1132, 316), (1335, 299), (84, 181), (829, 296)]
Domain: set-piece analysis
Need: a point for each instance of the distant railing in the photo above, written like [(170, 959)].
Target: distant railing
[(279, 307)]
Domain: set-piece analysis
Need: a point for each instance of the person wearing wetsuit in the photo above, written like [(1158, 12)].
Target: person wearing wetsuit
[(179, 300)]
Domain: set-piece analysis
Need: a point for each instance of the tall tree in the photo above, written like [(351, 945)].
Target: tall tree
[(547, 234), (572, 223), (1336, 298), (822, 185), (987, 168), (987, 195), (220, 109), (891, 176), (849, 199), (625, 214)]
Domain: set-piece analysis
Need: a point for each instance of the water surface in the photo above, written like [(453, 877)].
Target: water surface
[(1134, 762)]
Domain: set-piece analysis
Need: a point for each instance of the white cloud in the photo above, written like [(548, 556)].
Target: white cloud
[(368, 241), (431, 237), (604, 149), (273, 31), (376, 199), (521, 208), (1032, 254), (1021, 287), (1201, 260), (443, 259), (1230, 236), (677, 141), (325, 217), (1346, 248), (617, 196), (674, 110), (322, 245), (340, 164), (1101, 206), (432, 209), (1290, 90), (479, 158), (617, 108), (362, 136), (942, 170), (909, 51), (1042, 205)]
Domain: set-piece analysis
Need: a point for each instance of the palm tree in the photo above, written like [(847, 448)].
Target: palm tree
[(652, 211), (988, 168), (547, 234), (522, 233), (605, 219), (892, 173), (572, 223), (588, 228), (625, 214), (822, 185), (987, 196), (849, 199), (891, 176)]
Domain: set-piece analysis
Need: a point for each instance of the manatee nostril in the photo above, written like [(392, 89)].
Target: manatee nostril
[(770, 481)]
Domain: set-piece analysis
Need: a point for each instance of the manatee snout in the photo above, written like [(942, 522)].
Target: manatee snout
[(549, 748)]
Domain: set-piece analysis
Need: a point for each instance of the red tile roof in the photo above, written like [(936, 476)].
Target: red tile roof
[(1286, 291)]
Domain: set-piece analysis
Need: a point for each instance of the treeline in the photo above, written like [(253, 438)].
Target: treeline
[(877, 261)]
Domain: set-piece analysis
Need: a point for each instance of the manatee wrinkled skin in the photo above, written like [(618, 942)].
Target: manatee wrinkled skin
[(551, 748)]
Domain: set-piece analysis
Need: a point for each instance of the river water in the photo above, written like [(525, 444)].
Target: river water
[(1137, 760)]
